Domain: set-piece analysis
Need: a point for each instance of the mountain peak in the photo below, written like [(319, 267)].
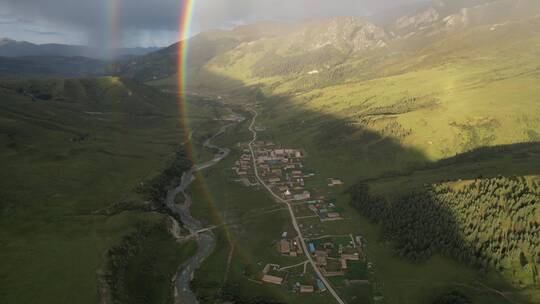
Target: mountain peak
[(427, 16), (348, 34), (443, 15)]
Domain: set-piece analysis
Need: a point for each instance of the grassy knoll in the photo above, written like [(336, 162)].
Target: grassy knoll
[(70, 152)]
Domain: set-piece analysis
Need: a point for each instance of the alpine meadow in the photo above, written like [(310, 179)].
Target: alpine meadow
[(274, 152)]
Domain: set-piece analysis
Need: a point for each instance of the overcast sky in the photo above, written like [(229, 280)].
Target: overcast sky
[(155, 22)]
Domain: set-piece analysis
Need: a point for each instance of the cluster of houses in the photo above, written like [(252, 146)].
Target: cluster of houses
[(333, 258), (244, 171), (282, 170), (289, 247), (243, 166), (273, 274), (326, 211)]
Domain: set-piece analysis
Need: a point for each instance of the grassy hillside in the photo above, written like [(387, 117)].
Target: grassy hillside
[(451, 96), (442, 90), (202, 48), (487, 223), (72, 153), (51, 66)]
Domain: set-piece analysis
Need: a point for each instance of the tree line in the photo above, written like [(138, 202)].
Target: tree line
[(142, 249), (492, 224), (155, 190)]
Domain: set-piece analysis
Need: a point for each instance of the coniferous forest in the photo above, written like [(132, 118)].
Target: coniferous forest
[(492, 224)]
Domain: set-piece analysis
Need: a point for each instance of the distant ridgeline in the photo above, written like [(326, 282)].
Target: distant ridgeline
[(493, 224)]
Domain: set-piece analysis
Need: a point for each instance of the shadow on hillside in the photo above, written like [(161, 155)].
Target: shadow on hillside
[(419, 226), (521, 159), (366, 154), (463, 224)]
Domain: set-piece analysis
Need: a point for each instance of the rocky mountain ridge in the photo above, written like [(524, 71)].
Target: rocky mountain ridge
[(307, 46)]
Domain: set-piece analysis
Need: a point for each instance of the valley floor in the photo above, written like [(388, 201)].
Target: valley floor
[(252, 222)]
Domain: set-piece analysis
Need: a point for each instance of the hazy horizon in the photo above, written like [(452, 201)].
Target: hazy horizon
[(111, 24)]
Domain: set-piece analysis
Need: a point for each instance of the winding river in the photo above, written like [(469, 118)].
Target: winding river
[(205, 240)]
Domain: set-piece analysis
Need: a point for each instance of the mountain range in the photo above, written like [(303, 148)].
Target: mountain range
[(20, 59), (51, 67), (403, 31), (13, 48), (445, 56)]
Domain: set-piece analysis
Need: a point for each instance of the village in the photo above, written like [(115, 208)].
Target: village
[(340, 257)]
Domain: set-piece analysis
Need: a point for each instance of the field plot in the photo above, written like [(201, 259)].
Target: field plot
[(302, 210)]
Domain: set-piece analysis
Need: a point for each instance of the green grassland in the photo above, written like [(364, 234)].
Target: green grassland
[(425, 110), (447, 98), (413, 113), (406, 282), (70, 151), (219, 202), (393, 127), (428, 97), (204, 119)]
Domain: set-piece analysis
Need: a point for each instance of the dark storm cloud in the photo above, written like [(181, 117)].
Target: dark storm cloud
[(141, 21), (99, 19)]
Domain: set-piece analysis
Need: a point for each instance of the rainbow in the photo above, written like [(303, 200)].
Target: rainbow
[(186, 17), (200, 185), (112, 10)]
